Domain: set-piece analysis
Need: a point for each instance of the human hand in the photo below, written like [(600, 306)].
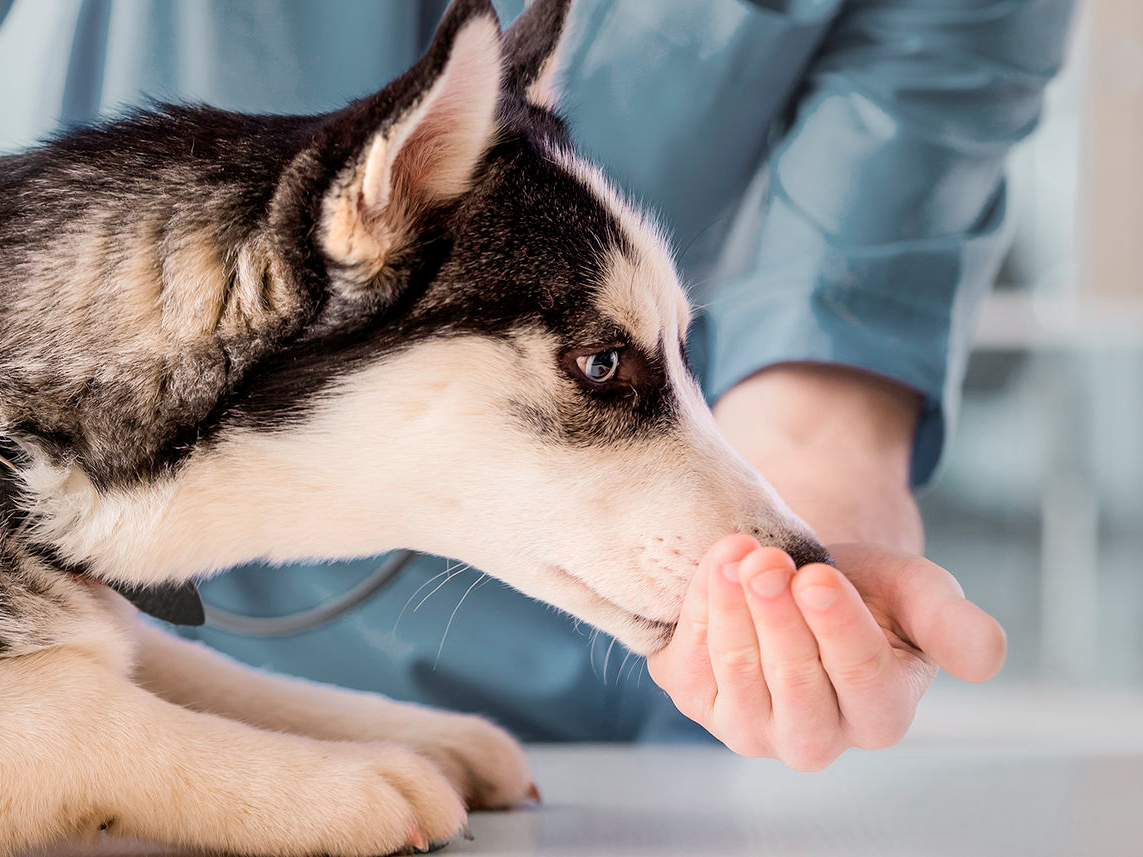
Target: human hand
[(781, 672), (801, 666)]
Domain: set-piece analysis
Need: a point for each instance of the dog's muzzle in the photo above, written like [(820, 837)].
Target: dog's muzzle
[(807, 551), (802, 549)]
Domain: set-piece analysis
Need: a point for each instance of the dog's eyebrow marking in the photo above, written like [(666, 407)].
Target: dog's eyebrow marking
[(641, 290)]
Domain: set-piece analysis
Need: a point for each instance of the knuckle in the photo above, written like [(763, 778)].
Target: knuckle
[(809, 758), (693, 702), (743, 738), (784, 623), (696, 633), (863, 672), (795, 676), (881, 736), (750, 747), (737, 660)]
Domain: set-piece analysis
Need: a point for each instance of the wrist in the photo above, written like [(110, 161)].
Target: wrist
[(851, 419), (836, 444)]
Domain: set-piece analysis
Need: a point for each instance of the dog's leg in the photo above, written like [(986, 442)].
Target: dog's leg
[(83, 748), (484, 763)]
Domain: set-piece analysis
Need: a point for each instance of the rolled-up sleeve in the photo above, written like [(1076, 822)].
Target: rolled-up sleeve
[(878, 222)]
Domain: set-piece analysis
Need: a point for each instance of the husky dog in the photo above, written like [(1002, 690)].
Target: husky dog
[(421, 321)]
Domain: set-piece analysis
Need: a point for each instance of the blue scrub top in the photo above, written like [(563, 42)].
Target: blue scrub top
[(832, 172)]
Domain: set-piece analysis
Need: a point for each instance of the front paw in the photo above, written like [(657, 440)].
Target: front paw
[(483, 762), (387, 799)]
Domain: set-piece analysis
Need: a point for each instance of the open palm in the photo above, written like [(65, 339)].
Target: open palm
[(801, 664)]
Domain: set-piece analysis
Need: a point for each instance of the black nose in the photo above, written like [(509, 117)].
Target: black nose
[(806, 551)]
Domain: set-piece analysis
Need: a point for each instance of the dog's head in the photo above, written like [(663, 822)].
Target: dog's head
[(422, 321), (527, 396)]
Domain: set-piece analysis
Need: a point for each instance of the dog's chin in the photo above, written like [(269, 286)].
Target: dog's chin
[(646, 636), (641, 634)]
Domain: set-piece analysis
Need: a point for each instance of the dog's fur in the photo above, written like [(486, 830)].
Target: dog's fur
[(226, 338)]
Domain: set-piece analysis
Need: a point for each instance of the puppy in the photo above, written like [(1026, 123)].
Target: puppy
[(422, 321)]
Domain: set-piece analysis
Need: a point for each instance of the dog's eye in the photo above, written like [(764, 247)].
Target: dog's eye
[(599, 368)]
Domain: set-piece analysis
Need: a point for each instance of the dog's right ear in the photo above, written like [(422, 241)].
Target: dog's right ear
[(413, 145)]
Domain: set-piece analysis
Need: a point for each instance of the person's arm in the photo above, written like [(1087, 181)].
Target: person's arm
[(835, 357), (837, 445), (880, 217)]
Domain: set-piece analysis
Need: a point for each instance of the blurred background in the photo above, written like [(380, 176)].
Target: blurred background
[(1039, 507)]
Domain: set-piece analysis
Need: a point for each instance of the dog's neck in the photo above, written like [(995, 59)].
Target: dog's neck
[(169, 532), (277, 497)]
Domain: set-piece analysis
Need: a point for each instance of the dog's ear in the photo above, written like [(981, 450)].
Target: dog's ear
[(532, 48), (413, 145)]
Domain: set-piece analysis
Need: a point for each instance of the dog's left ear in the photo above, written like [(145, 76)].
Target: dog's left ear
[(412, 146), (532, 48)]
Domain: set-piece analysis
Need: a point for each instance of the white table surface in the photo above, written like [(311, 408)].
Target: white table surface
[(604, 802), (1034, 775)]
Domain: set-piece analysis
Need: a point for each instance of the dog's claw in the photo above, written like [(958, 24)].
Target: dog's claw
[(533, 794), (466, 832), (418, 841)]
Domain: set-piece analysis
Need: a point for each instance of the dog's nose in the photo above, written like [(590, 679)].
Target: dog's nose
[(802, 549), (805, 551)]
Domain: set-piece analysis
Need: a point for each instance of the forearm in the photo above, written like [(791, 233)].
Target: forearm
[(836, 443)]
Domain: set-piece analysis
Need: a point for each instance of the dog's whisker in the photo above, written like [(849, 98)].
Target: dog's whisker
[(636, 665), (459, 569), (619, 675), (417, 592), (444, 636), (606, 658), (591, 651)]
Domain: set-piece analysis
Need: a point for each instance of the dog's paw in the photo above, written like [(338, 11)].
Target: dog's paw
[(388, 799), (483, 762)]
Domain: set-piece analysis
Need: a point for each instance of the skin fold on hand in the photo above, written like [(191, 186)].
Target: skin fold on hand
[(801, 664)]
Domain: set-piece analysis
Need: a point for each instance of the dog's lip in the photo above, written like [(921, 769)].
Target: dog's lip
[(662, 629)]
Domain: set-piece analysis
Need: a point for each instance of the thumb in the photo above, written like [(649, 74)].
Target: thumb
[(928, 604), (963, 640)]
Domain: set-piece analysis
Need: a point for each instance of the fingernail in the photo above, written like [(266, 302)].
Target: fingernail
[(771, 584), (730, 572), (819, 597)]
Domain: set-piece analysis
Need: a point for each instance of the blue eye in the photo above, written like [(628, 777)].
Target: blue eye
[(599, 368)]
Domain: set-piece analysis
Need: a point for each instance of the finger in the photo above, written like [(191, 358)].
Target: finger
[(929, 606), (807, 728), (695, 610), (875, 693), (729, 549), (964, 640), (683, 667), (742, 705)]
